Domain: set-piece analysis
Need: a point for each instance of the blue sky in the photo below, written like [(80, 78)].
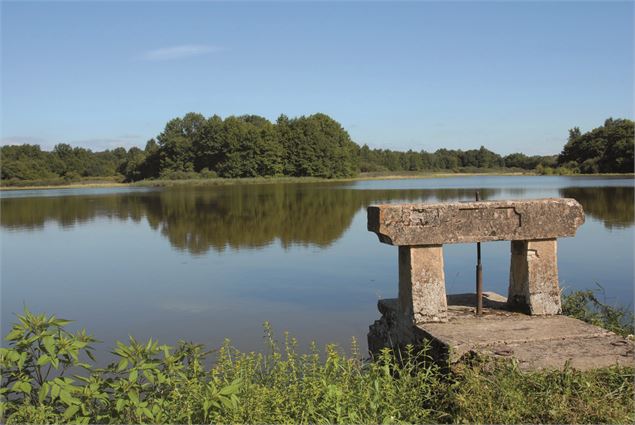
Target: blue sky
[(511, 76)]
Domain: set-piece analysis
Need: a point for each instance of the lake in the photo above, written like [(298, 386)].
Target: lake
[(207, 263)]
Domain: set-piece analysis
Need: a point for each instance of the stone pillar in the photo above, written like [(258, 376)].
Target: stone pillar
[(422, 283), (533, 277)]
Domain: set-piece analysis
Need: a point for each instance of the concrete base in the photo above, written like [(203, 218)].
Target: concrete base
[(536, 342)]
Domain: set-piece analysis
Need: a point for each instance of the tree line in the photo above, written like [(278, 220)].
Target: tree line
[(377, 160), (313, 146)]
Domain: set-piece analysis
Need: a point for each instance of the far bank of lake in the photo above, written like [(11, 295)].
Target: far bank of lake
[(114, 182), (219, 181)]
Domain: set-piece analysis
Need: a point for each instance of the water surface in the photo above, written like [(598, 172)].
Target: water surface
[(205, 263)]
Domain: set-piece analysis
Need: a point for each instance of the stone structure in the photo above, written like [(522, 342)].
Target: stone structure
[(525, 325), (420, 230), (536, 342)]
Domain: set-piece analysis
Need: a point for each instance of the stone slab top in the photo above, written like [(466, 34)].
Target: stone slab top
[(536, 342), (482, 221)]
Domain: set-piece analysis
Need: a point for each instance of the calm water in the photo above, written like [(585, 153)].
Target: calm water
[(203, 264)]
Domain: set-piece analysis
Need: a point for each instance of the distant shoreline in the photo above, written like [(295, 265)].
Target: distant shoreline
[(270, 180)]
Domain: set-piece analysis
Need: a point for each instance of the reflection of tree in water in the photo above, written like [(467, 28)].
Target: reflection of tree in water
[(199, 219), (612, 205), (66, 211), (196, 220), (252, 216)]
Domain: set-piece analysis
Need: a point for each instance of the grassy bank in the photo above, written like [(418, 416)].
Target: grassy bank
[(359, 177), (113, 181), (151, 383), (218, 181)]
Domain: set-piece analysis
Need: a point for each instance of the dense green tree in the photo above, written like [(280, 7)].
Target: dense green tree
[(336, 148), (413, 161), (619, 148), (238, 159), (316, 146), (29, 162), (520, 160), (261, 148), (120, 154), (447, 160), (25, 162), (177, 140), (132, 167), (606, 149), (208, 149), (489, 159)]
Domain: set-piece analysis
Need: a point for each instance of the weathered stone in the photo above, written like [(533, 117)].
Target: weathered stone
[(533, 277), (395, 330), (422, 283), (423, 313), (536, 342), (460, 222), (392, 330)]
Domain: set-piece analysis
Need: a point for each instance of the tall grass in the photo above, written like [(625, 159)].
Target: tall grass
[(49, 376)]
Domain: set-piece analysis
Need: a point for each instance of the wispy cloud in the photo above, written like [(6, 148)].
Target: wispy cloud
[(20, 140), (180, 52), (102, 143)]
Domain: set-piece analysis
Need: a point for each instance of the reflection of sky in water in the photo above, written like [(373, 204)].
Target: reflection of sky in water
[(118, 276), (494, 182), (70, 191)]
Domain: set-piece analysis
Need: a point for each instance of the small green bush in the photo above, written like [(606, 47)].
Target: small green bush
[(205, 173), (150, 383), (584, 305), (72, 176)]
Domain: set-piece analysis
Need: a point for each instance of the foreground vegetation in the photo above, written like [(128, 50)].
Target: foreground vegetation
[(48, 377), (249, 146)]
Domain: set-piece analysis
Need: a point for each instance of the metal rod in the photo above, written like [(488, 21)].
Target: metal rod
[(479, 275)]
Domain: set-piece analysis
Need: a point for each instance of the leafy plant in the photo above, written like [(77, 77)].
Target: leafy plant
[(45, 380), (149, 383), (584, 305)]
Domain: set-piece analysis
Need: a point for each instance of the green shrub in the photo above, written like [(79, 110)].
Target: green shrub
[(152, 383), (72, 176), (584, 305), (49, 376), (205, 173)]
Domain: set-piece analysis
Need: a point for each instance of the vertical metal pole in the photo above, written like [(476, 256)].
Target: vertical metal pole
[(479, 275)]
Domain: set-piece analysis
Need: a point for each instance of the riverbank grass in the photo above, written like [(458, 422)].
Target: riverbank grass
[(195, 179), (49, 376)]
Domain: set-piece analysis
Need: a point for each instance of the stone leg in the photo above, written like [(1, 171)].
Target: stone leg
[(533, 277), (422, 283)]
